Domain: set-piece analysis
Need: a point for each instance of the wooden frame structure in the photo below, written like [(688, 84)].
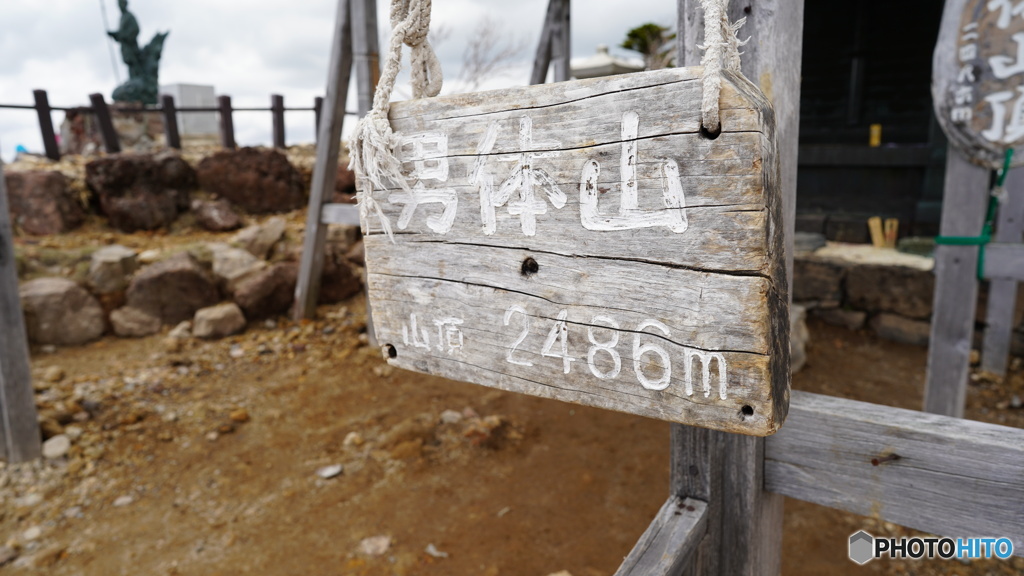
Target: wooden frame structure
[(724, 512)]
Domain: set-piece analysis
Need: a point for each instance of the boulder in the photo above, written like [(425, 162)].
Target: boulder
[(218, 321), (896, 289), (341, 278), (41, 203), (817, 280), (172, 289), (849, 319), (131, 322), (259, 181), (900, 329), (58, 311), (141, 191), (269, 292), (344, 186), (231, 265), (258, 239), (216, 215), (111, 267)]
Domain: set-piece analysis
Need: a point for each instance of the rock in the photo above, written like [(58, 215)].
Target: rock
[(357, 254), (110, 268), (7, 554), (807, 242), (258, 239), (330, 471), (344, 186), (123, 501), (182, 331), (561, 573), (58, 311), (141, 191), (353, 439), (375, 545), (451, 417), (231, 265), (900, 329), (269, 292), (53, 374), (129, 322), (40, 202), (849, 319), (240, 415), (895, 289), (56, 447), (149, 256), (798, 337), (432, 551), (816, 279), (340, 278), (74, 432), (218, 321), (172, 289), (257, 180), (216, 215), (31, 534)]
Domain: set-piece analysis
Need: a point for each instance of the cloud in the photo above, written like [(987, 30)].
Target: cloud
[(250, 49)]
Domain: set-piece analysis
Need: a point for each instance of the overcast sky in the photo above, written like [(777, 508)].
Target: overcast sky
[(249, 49)]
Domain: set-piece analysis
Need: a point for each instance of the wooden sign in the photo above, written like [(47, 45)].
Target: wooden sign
[(978, 78), (584, 241)]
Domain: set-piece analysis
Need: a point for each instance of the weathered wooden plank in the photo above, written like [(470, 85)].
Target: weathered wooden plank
[(19, 429), (934, 473), (669, 307), (542, 59), (325, 171), (696, 467), (277, 119), (227, 122), (111, 142), (340, 214), (670, 540), (1002, 294), (170, 115), (956, 287), (1004, 263), (366, 52), (977, 80), (46, 124), (561, 44)]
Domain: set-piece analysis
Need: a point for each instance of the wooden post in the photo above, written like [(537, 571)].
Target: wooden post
[(227, 123), (111, 143), (46, 125), (542, 60), (19, 428), (170, 121), (318, 104), (745, 522), (366, 52), (956, 287), (277, 111), (561, 44), (1002, 294), (325, 171)]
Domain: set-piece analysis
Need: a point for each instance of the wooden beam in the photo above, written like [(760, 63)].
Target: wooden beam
[(277, 113), (227, 123), (325, 171), (561, 44), (366, 52), (1000, 313), (19, 428), (939, 474), (46, 124), (668, 543), (318, 105), (111, 143), (956, 287), (542, 59), (1004, 263), (170, 122)]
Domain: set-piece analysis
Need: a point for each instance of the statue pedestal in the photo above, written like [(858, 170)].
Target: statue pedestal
[(137, 131)]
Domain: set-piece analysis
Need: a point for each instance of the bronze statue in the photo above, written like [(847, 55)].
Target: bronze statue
[(143, 64)]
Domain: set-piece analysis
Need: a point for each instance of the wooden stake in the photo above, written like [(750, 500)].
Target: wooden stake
[(227, 123), (1002, 294), (110, 139), (277, 113), (892, 232), (46, 125), (877, 235), (170, 122)]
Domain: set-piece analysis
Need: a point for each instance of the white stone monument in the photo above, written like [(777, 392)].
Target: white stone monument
[(194, 96)]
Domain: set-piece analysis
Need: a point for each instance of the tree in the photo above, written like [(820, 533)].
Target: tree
[(654, 42)]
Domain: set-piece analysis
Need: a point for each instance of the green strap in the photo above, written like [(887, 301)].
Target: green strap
[(985, 237)]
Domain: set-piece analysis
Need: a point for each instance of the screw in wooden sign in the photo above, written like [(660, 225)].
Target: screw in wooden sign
[(584, 241)]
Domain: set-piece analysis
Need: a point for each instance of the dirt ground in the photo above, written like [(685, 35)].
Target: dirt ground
[(204, 460)]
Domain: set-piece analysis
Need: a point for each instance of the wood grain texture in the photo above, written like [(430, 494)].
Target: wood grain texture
[(669, 541), (977, 78), (325, 171), (1000, 313), (1004, 263), (956, 288), (687, 272), (19, 428), (942, 475)]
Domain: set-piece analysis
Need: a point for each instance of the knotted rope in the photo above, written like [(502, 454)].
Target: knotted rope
[(373, 143), (721, 52)]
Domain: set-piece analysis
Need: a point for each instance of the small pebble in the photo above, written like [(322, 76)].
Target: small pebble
[(48, 349), (353, 439), (32, 533), (236, 351), (1016, 403), (74, 512), (30, 500), (149, 256), (7, 554), (433, 551), (73, 432), (240, 415), (123, 501), (270, 324), (212, 436), (375, 545), (56, 447), (53, 374), (451, 417), (330, 471)]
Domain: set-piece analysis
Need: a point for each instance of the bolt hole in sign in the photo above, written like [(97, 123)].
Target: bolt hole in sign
[(583, 241), (978, 78)]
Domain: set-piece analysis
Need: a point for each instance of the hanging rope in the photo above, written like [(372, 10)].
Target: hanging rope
[(721, 52), (373, 143)]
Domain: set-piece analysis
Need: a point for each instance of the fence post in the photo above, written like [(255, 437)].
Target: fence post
[(19, 428), (318, 105), (227, 124), (1002, 293), (366, 52), (170, 121), (561, 42), (277, 112), (46, 125), (110, 141)]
